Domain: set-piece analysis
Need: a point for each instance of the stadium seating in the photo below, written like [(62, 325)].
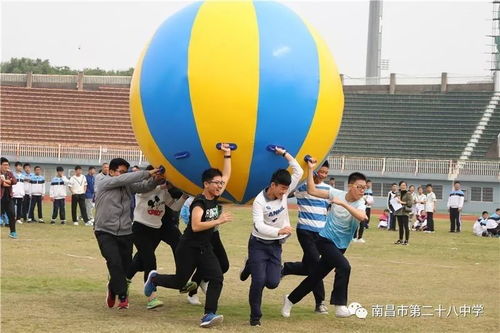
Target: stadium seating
[(425, 125), (488, 137), (66, 116)]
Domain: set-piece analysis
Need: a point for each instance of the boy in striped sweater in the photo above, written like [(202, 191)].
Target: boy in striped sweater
[(58, 193), (312, 218), (455, 205), (18, 192), (37, 192), (27, 191)]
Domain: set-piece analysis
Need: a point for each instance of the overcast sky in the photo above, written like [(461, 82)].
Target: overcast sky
[(419, 38)]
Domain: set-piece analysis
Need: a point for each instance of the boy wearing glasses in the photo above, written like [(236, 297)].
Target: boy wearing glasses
[(195, 251), (348, 208), (271, 227)]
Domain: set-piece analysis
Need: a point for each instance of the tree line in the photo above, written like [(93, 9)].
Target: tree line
[(39, 66)]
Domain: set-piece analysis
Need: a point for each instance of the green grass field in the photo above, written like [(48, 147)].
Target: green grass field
[(53, 280)]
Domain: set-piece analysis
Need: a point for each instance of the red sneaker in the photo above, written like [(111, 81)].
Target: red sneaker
[(123, 304), (110, 298)]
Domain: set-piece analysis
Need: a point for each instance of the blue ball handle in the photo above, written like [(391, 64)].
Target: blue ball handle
[(181, 155), (272, 148), (232, 146)]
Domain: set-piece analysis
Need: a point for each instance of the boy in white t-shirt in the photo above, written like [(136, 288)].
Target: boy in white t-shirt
[(78, 186), (430, 208), (271, 227)]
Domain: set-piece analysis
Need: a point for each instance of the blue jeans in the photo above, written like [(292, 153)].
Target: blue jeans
[(264, 262)]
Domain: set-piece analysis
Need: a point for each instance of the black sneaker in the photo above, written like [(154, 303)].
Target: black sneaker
[(63, 222), (244, 273), (52, 222), (255, 323), (405, 243), (398, 242)]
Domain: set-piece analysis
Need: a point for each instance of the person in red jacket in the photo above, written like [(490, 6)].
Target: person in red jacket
[(7, 180)]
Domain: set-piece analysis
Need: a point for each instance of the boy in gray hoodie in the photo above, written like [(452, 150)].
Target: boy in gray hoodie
[(113, 226)]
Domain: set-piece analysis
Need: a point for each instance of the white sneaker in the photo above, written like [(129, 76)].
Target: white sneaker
[(287, 307), (361, 240), (204, 286), (75, 223), (194, 300), (354, 240), (342, 311), (19, 222), (89, 224)]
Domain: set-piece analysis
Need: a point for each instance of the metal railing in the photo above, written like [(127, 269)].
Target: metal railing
[(45, 78), (104, 80), (62, 152), (93, 155), (12, 77), (414, 166), (400, 79)]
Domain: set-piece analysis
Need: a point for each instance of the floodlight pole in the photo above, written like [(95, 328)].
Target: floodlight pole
[(374, 46)]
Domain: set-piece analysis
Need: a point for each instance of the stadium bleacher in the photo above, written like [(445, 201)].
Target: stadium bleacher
[(426, 125), (67, 116), (488, 137)]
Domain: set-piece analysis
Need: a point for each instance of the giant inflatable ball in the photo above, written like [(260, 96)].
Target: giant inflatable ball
[(249, 73)]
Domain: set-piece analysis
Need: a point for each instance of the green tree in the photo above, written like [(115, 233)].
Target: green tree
[(39, 66)]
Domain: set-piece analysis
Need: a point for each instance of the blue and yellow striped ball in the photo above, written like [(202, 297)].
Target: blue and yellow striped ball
[(250, 73)]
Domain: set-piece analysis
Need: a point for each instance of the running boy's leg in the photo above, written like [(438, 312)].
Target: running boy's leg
[(113, 251), (209, 268)]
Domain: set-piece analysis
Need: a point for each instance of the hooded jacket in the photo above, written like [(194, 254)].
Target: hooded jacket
[(113, 201)]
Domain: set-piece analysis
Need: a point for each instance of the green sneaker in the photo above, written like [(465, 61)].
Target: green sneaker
[(190, 286), (154, 303)]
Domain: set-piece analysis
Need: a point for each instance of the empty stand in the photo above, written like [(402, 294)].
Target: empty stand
[(425, 125), (66, 116)]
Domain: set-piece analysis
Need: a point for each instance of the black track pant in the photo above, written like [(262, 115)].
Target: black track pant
[(36, 200), (117, 250), (26, 206), (430, 221), (7, 207), (331, 257), (361, 229), (392, 222), (454, 219), (59, 209), (403, 227), (307, 240), (188, 258), (78, 199), (168, 233), (18, 207), (221, 255)]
